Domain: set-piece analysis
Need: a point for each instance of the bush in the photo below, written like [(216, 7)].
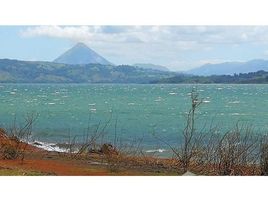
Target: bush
[(10, 152), (264, 157)]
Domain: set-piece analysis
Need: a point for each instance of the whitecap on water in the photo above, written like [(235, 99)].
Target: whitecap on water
[(236, 114), (48, 146), (158, 99), (131, 104), (51, 103), (172, 93), (91, 104), (156, 151), (42, 96), (234, 102)]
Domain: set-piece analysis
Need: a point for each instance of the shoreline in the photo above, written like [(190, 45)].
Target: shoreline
[(109, 162), (58, 147), (38, 161)]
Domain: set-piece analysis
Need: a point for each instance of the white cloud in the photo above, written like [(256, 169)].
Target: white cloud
[(265, 53), (150, 34), (74, 33)]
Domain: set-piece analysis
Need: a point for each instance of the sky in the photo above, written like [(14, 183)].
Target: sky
[(177, 47)]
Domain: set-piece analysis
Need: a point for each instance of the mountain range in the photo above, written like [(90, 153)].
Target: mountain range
[(80, 64), (82, 54), (15, 71), (229, 68)]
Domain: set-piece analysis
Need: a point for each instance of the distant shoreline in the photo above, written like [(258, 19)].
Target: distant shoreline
[(15, 71)]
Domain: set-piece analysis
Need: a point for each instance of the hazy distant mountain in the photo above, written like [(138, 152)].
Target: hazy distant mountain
[(15, 71), (151, 66), (81, 54), (229, 68), (259, 77)]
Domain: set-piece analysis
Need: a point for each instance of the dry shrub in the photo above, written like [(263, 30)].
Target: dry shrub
[(9, 152), (236, 150), (14, 142), (189, 149), (264, 156)]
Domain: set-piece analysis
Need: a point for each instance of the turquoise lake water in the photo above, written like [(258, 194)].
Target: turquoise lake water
[(140, 110)]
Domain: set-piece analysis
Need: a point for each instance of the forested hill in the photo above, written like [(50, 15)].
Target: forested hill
[(242, 78), (15, 71)]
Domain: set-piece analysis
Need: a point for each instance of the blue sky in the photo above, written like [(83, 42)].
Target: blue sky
[(177, 47)]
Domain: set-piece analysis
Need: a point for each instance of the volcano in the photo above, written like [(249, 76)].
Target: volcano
[(81, 54)]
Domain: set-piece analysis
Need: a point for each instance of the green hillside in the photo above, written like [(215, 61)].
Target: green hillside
[(14, 71)]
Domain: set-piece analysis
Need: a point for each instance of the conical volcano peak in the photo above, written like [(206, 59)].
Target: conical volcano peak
[(80, 45), (81, 54)]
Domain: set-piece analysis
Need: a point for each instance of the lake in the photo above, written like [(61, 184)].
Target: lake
[(133, 112)]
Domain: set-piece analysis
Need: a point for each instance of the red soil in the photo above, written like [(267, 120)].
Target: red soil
[(52, 167)]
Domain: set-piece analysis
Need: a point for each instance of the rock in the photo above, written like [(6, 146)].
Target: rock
[(188, 173), (37, 144), (108, 149)]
